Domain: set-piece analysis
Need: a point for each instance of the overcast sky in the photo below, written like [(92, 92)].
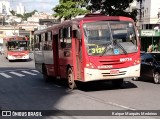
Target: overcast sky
[(40, 5)]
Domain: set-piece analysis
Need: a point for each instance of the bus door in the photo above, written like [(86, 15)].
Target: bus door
[(78, 48), (55, 54), (38, 53)]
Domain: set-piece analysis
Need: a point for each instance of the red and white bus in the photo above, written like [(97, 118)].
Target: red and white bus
[(16, 48), (89, 49)]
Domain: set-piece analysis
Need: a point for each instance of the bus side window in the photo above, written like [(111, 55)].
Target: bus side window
[(45, 42), (63, 45), (40, 43), (49, 41), (60, 38), (67, 37), (37, 43)]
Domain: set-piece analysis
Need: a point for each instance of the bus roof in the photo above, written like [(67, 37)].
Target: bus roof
[(10, 38), (88, 17), (14, 36)]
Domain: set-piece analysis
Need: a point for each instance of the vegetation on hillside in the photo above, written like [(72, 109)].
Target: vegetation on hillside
[(24, 16)]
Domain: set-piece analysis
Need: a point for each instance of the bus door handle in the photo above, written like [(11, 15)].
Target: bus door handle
[(67, 53)]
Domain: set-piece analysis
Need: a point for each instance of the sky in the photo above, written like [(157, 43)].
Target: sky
[(39, 5)]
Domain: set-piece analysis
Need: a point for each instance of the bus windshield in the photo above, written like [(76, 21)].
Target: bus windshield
[(17, 45), (110, 38)]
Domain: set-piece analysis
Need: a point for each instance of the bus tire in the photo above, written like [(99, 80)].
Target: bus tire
[(136, 78), (71, 82), (117, 83), (44, 72), (25, 60)]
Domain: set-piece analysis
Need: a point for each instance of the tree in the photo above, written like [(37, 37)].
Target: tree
[(26, 15), (69, 8), (19, 15), (13, 12), (112, 7)]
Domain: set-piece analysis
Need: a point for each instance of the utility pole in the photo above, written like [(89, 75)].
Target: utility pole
[(140, 12), (3, 20)]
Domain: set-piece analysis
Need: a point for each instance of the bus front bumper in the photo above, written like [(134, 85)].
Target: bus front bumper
[(10, 57), (97, 74)]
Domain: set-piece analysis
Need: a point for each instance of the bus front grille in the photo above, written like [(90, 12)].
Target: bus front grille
[(115, 62), (112, 74)]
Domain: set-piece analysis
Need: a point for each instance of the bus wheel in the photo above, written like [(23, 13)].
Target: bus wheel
[(44, 72), (71, 82), (136, 78), (25, 60), (117, 83), (156, 78)]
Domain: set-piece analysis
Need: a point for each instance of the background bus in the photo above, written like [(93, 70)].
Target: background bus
[(89, 49), (16, 47)]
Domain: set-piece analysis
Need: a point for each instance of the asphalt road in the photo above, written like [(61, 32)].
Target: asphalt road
[(23, 88)]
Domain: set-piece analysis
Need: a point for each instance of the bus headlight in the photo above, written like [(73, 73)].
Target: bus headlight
[(137, 62), (10, 56), (90, 65)]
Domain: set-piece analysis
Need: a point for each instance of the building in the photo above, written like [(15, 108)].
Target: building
[(148, 23), (5, 7), (39, 15), (148, 18), (20, 9), (43, 19)]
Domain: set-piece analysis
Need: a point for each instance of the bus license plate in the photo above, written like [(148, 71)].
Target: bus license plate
[(114, 71), (18, 56)]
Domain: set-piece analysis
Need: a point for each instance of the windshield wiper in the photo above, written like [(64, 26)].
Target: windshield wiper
[(120, 46), (105, 49), (109, 43)]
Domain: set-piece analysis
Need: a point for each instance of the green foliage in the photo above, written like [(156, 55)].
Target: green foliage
[(26, 15), (113, 7), (69, 8), (13, 12), (19, 15)]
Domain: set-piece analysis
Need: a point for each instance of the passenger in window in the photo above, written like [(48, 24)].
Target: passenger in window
[(150, 48)]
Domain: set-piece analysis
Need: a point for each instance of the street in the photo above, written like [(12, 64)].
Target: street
[(23, 88)]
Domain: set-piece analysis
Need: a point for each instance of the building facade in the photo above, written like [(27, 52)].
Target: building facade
[(20, 9), (148, 23), (5, 7), (148, 18)]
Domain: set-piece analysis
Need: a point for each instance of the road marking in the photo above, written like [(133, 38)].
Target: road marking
[(18, 74), (28, 72), (35, 71), (5, 75), (122, 106), (102, 101), (12, 70)]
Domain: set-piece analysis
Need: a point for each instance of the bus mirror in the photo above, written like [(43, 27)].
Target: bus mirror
[(63, 45), (78, 35)]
